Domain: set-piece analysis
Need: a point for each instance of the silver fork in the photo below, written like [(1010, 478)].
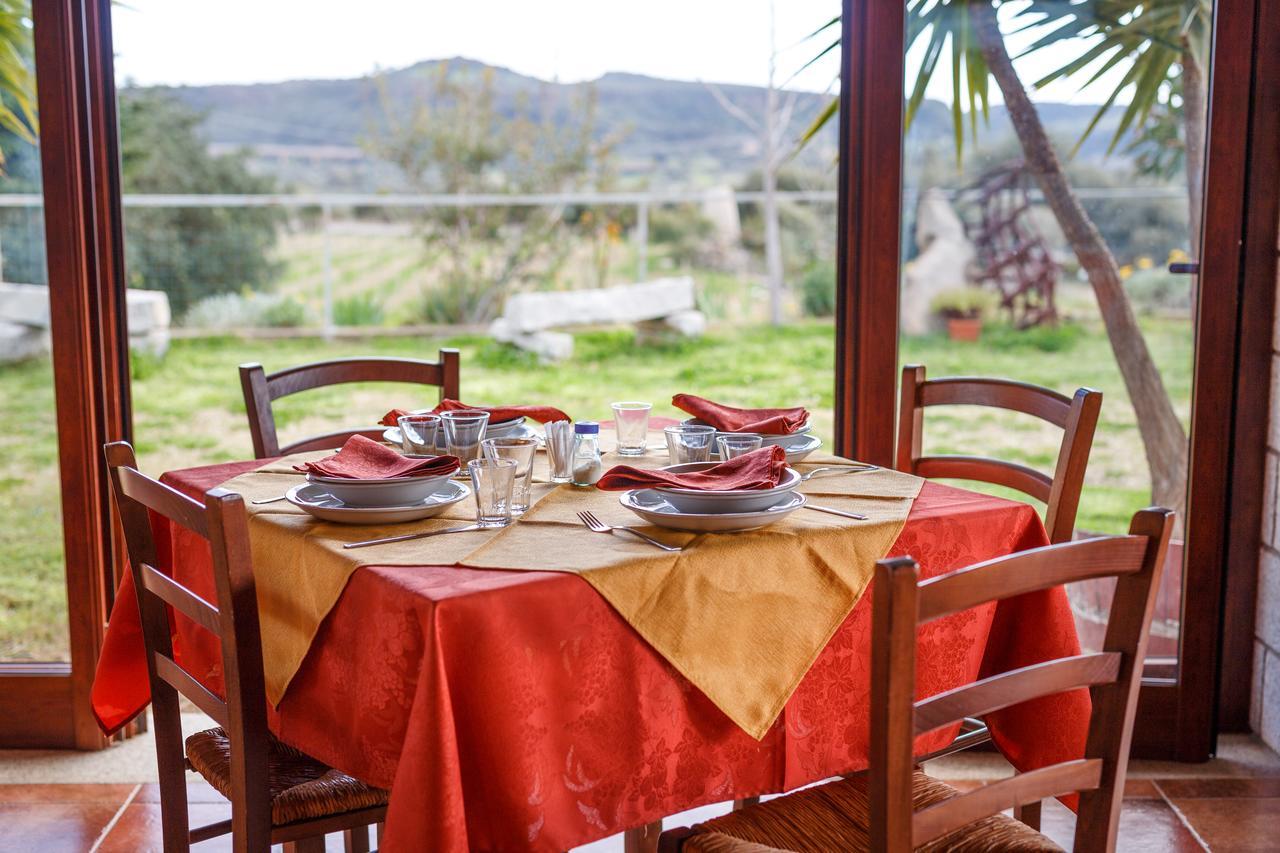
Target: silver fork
[(598, 526), (846, 469)]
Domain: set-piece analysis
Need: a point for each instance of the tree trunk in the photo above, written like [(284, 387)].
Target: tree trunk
[(1163, 437)]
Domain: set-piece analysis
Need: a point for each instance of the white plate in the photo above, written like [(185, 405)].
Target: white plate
[(315, 500), (727, 501), (655, 509), (516, 428)]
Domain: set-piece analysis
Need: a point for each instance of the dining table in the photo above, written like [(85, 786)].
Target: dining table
[(519, 710)]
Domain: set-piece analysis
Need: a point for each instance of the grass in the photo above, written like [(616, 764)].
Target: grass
[(188, 411)]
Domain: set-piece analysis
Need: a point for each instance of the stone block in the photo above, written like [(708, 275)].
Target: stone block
[(1270, 504), (1269, 714), (25, 304), (1257, 686), (625, 303), (1267, 611), (19, 342)]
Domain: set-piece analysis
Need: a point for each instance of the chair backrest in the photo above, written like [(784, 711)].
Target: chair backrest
[(1076, 416), (233, 618), (901, 604), (262, 389)]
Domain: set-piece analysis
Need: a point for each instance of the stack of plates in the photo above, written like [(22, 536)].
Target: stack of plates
[(514, 428), (390, 501), (798, 445), (704, 511)]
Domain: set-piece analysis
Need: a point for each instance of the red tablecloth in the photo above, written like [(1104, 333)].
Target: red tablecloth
[(516, 710)]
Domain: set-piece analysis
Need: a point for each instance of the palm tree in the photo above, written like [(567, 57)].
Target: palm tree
[(968, 34), (17, 76)]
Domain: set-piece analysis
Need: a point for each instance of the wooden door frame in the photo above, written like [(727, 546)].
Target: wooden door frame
[(1179, 718), (47, 705)]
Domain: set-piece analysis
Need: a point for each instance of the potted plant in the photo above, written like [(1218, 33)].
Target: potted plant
[(963, 309)]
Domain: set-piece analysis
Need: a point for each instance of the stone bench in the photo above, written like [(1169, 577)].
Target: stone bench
[(24, 321), (662, 306)]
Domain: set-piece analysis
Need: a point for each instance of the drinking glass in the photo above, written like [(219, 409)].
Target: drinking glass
[(521, 451), (463, 432), (737, 444), (418, 434), (689, 443), (492, 481), (632, 421)]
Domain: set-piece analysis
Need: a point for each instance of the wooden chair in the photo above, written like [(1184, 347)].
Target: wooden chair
[(895, 807), (1077, 416), (262, 389), (277, 794)]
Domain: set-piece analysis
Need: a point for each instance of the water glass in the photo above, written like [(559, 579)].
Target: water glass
[(737, 444), (492, 481), (632, 421), (418, 434), (689, 443), (463, 432), (521, 451)]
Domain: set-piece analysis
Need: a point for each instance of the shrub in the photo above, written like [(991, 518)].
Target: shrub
[(1158, 289), (364, 309), (818, 290), (1048, 338), (966, 302), (231, 311)]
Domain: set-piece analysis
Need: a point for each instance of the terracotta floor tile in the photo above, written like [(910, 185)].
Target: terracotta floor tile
[(1141, 789), (61, 793), (1236, 825), (54, 827), (138, 830), (1146, 826), (1220, 788)]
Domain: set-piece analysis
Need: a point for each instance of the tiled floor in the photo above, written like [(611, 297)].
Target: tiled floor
[(1229, 804)]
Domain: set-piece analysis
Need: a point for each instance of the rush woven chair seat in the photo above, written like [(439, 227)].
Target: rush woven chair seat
[(278, 795), (261, 389), (837, 816), (893, 807), (300, 787), (1076, 416)]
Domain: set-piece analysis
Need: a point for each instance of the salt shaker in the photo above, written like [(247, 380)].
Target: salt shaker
[(587, 466)]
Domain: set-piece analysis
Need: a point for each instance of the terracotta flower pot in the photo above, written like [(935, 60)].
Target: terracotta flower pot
[(964, 328)]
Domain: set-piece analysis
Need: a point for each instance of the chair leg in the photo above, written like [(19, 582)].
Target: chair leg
[(314, 844), (739, 805), (356, 840), (642, 839), (1029, 813)]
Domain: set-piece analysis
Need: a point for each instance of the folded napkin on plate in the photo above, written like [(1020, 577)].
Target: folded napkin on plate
[(730, 419), (364, 459), (759, 469), (497, 414)]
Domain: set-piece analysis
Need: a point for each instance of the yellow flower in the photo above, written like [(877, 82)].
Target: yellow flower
[(1126, 271), (1145, 263), (1177, 256)]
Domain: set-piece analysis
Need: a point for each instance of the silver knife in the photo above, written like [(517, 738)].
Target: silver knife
[(408, 536), (854, 515)]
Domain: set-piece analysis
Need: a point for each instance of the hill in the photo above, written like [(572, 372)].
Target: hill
[(308, 132)]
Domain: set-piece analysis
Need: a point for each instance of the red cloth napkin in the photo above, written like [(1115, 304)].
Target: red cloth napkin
[(759, 469), (365, 459), (497, 414), (729, 419)]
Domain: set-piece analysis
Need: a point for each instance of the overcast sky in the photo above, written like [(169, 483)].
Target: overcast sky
[(247, 41)]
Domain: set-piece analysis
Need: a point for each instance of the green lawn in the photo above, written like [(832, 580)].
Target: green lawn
[(188, 411)]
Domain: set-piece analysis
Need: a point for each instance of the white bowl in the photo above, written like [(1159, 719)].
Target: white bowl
[(732, 500), (315, 500), (394, 492)]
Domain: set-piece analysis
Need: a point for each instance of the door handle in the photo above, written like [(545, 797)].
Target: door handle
[(1185, 268)]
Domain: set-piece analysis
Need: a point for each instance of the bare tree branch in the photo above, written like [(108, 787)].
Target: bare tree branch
[(733, 109)]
